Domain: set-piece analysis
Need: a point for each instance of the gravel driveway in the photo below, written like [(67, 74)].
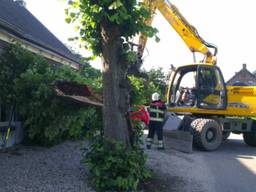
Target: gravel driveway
[(58, 169), (35, 169)]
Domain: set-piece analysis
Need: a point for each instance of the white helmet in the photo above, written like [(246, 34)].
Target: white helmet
[(155, 96)]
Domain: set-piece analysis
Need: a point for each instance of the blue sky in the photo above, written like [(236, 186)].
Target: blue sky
[(229, 24)]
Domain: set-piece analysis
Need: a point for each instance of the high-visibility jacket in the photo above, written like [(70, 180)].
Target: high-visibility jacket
[(157, 111)]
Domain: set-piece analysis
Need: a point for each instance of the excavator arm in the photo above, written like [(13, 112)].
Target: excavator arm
[(186, 31)]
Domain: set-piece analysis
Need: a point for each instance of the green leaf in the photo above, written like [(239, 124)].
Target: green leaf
[(68, 20), (72, 15), (115, 5), (157, 39)]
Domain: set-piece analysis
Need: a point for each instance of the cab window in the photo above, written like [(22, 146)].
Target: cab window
[(211, 88)]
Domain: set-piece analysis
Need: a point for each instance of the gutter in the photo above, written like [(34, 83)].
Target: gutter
[(28, 43)]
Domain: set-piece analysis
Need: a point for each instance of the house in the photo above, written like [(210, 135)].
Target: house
[(243, 77), (18, 25)]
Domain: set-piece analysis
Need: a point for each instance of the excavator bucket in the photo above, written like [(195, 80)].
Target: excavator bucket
[(176, 135), (74, 93)]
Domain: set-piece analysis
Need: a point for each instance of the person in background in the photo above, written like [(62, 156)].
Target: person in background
[(157, 111)]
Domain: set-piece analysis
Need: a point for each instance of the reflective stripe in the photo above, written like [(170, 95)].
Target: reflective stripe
[(8, 133), (156, 119), (156, 111), (160, 144)]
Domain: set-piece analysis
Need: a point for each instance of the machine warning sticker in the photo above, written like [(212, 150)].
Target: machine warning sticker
[(238, 105)]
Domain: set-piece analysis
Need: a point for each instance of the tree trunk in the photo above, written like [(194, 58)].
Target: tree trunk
[(114, 86)]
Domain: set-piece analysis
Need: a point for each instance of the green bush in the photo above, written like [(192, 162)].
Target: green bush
[(115, 167), (27, 80)]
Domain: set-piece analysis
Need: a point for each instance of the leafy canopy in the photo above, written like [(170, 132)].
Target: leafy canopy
[(142, 89), (27, 80), (89, 15)]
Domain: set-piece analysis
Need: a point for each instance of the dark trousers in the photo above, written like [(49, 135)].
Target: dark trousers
[(155, 126)]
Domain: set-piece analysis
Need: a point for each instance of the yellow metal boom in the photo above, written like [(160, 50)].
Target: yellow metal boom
[(186, 31)]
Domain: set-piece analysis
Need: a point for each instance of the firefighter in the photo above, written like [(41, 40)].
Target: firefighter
[(157, 110)]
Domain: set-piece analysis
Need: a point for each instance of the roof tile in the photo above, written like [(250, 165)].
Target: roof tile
[(19, 20)]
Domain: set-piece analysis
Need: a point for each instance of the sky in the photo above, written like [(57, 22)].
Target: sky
[(229, 24)]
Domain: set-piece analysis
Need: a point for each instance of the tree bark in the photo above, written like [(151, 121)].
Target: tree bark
[(114, 86)]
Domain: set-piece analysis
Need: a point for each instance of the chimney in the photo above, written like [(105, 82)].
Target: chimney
[(244, 66), (21, 3)]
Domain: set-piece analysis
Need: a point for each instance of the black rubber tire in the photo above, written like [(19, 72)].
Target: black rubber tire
[(225, 135), (201, 129), (250, 138)]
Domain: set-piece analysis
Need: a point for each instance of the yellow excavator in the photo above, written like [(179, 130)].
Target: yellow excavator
[(197, 93)]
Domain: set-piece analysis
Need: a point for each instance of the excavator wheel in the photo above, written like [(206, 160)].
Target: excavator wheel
[(225, 135), (250, 137), (207, 134)]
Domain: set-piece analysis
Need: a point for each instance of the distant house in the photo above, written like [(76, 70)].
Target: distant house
[(243, 77), (17, 24)]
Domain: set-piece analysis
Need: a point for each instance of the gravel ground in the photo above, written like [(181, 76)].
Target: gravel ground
[(58, 169), (35, 169)]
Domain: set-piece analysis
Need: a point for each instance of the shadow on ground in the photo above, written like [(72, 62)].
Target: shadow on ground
[(233, 165)]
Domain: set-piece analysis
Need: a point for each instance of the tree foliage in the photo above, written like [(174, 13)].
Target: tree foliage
[(158, 78), (27, 80), (142, 88), (93, 77), (89, 15)]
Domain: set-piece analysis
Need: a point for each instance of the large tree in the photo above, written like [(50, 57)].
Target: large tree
[(105, 27)]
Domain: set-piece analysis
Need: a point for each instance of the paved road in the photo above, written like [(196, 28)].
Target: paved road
[(232, 166)]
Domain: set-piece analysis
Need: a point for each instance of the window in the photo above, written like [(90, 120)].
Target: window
[(211, 88)]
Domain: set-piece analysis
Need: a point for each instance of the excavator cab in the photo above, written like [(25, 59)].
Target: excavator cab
[(197, 86)]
